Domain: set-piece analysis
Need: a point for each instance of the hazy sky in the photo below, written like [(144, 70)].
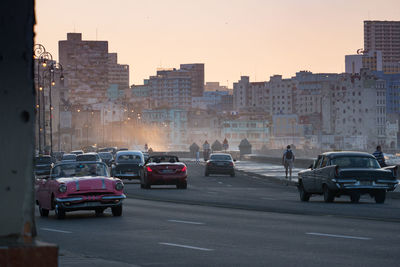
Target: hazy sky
[(232, 37)]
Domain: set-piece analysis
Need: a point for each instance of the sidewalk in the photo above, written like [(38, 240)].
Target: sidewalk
[(266, 170)]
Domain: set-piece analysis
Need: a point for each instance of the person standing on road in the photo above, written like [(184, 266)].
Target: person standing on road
[(378, 154), (287, 162), (197, 157)]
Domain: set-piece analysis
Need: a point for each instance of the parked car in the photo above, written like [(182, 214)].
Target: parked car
[(79, 186), (347, 173), (128, 164), (68, 158), (164, 170), (106, 157), (92, 156), (43, 164), (77, 152), (113, 150), (58, 155), (220, 163)]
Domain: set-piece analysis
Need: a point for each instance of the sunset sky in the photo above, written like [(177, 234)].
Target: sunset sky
[(258, 38)]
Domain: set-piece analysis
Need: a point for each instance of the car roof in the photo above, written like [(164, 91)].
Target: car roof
[(89, 153), (79, 162), (335, 154), (129, 152), (69, 155), (220, 154)]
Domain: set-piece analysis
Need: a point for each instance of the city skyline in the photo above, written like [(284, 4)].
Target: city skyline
[(232, 38)]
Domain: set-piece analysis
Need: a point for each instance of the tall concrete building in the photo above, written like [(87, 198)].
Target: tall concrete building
[(384, 36), (117, 73), (196, 71), (85, 66)]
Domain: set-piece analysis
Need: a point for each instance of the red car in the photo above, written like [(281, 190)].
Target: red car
[(164, 170), (81, 185)]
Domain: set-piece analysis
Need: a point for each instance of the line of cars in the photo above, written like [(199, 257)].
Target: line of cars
[(84, 182)]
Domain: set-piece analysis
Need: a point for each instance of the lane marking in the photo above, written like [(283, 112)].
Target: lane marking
[(185, 246), (55, 230), (220, 182), (187, 222), (340, 236), (229, 185)]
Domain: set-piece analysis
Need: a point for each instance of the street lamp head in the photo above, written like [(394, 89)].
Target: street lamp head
[(40, 88), (53, 83), (44, 64), (62, 77)]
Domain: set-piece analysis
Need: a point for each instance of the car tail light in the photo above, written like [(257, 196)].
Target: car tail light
[(183, 169), (149, 169), (230, 163)]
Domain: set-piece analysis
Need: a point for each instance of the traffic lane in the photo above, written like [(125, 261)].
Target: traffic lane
[(168, 234), (250, 192)]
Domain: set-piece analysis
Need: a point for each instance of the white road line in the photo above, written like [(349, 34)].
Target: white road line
[(220, 182), (188, 222), (55, 230), (229, 185), (184, 246), (340, 236)]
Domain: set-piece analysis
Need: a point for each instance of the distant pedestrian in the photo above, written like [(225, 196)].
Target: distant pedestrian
[(378, 154), (287, 162), (197, 157)]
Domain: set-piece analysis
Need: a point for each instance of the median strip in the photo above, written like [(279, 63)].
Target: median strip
[(185, 246), (340, 236)]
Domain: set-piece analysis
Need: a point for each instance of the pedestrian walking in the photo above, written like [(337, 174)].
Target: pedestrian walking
[(287, 162), (197, 157), (378, 154)]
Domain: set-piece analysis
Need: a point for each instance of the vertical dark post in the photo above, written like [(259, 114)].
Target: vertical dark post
[(17, 139)]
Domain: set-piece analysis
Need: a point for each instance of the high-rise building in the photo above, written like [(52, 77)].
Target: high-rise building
[(117, 73), (384, 36), (171, 88), (85, 66), (196, 71)]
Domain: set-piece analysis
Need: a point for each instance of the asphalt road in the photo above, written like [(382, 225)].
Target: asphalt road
[(225, 221)]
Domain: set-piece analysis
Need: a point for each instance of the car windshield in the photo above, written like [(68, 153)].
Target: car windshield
[(79, 170), (355, 162), (43, 160), (129, 158), (105, 155), (159, 159), (86, 158), (69, 157), (221, 157)]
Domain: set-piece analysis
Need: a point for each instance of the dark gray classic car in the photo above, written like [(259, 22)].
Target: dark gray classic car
[(128, 164), (347, 173)]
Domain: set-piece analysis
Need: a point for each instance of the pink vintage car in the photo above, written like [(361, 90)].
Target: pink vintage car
[(79, 186)]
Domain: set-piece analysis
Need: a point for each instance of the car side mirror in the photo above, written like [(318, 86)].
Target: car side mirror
[(234, 160), (311, 166)]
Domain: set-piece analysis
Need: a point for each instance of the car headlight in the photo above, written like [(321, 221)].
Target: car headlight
[(119, 186), (62, 188)]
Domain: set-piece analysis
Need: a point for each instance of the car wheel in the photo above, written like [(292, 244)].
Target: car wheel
[(355, 197), (233, 174), (43, 212), (60, 213), (99, 211), (304, 196), (380, 196), (328, 194), (117, 211)]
